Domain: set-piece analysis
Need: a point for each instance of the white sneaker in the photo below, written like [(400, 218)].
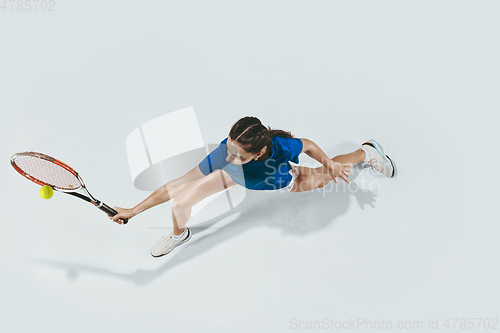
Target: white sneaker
[(378, 160), (166, 244)]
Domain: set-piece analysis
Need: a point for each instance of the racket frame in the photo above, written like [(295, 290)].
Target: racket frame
[(73, 191)]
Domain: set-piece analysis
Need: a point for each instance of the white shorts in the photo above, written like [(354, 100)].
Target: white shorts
[(295, 173)]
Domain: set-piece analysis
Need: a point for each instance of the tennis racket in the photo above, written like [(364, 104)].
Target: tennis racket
[(45, 170)]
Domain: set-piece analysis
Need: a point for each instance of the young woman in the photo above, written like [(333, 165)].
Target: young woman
[(256, 158)]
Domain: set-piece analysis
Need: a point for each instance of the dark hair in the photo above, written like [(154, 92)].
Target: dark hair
[(253, 136)]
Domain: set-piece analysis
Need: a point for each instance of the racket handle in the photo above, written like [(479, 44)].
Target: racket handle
[(110, 211)]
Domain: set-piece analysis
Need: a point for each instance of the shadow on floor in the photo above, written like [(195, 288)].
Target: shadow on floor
[(295, 214)]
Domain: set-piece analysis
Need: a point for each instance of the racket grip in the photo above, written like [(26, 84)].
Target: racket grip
[(110, 211)]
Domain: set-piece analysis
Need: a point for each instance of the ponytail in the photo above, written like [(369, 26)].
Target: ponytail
[(253, 136)]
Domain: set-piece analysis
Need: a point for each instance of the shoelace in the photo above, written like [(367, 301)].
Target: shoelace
[(166, 239), (375, 165)]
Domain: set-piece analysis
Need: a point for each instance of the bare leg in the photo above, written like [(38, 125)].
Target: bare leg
[(180, 218), (176, 190), (167, 192), (354, 158), (202, 188), (312, 178)]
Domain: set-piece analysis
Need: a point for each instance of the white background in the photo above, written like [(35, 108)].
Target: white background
[(420, 77)]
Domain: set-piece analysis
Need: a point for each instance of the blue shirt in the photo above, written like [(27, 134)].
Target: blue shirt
[(269, 174)]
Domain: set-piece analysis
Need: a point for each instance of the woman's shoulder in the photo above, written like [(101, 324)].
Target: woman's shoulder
[(287, 143)]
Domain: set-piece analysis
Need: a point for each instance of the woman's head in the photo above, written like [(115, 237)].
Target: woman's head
[(248, 140)]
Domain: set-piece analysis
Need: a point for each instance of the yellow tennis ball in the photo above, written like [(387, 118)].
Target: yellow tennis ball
[(46, 192)]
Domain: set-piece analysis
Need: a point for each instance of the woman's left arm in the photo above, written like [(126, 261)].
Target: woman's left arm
[(335, 169)]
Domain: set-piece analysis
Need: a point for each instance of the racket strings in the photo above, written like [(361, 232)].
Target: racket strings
[(48, 172)]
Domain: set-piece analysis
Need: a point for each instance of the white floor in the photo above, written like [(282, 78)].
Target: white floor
[(420, 77)]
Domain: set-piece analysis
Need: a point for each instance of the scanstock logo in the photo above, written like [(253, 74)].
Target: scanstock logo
[(167, 147)]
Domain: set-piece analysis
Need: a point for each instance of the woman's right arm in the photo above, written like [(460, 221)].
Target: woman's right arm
[(165, 193)]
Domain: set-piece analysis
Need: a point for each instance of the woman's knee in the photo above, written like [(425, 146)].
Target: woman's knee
[(179, 205), (187, 199), (202, 188)]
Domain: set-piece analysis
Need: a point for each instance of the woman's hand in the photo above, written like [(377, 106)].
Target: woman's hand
[(337, 169), (122, 214)]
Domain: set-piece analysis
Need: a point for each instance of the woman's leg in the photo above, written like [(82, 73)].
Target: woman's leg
[(175, 187), (199, 190), (353, 158), (312, 178), (174, 191)]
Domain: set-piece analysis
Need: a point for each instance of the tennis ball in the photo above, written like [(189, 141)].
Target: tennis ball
[(46, 192)]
